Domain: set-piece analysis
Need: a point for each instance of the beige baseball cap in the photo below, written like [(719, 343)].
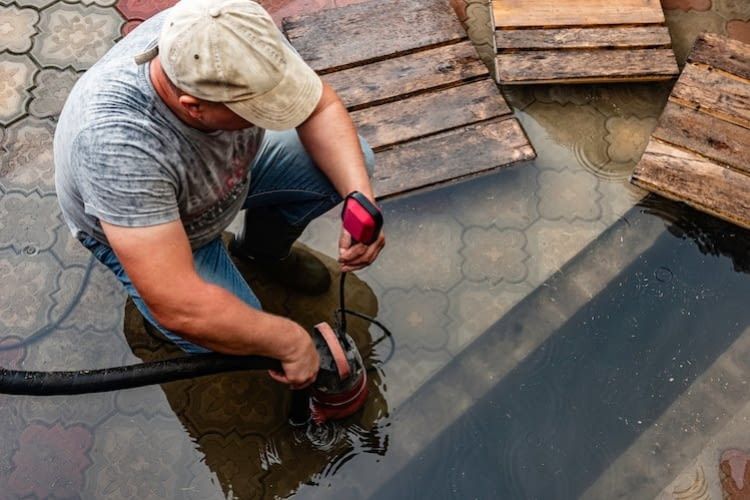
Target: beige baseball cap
[(230, 51)]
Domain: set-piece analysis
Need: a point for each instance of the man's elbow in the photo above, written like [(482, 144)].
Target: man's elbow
[(186, 312)]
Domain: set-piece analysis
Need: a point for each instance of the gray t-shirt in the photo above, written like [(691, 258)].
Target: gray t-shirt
[(122, 156)]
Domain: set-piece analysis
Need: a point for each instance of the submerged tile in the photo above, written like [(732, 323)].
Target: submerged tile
[(494, 255)]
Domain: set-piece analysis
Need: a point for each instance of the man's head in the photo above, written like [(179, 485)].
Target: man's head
[(229, 66)]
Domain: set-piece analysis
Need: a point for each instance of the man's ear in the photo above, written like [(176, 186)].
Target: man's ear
[(192, 106)]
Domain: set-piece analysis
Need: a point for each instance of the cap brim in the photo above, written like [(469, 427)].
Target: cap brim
[(288, 104)]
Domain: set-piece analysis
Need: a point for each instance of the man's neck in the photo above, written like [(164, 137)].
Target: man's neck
[(167, 94)]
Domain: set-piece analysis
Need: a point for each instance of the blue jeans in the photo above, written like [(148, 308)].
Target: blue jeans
[(285, 186)]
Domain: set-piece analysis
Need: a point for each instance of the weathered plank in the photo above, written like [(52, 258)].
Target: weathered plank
[(449, 156), (550, 13), (681, 175), (715, 92), (333, 39), (721, 52), (401, 76), (704, 134), (430, 113), (585, 65), (584, 38)]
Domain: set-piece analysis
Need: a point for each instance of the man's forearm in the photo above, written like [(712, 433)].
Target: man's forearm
[(218, 320), (331, 140)]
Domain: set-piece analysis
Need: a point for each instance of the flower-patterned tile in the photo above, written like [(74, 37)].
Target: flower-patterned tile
[(139, 457), (569, 195), (505, 199), (25, 306), (86, 409), (16, 78), (87, 3), (75, 36), (468, 321), (51, 89), (28, 222), (493, 255), (26, 163), (552, 243), (17, 28), (686, 26), (410, 259), (60, 474), (739, 30), (39, 4), (100, 306), (686, 4), (142, 9), (733, 9), (68, 250), (627, 139), (476, 18), (418, 316)]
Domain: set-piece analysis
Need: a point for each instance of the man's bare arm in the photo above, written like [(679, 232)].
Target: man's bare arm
[(330, 137), (159, 262)]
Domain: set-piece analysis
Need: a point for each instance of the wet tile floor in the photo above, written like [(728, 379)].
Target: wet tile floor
[(458, 259)]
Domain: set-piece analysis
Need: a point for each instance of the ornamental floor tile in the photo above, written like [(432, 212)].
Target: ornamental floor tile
[(26, 163), (16, 79), (75, 35), (17, 28), (51, 88)]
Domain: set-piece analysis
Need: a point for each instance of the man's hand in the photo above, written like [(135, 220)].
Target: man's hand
[(301, 364), (355, 256)]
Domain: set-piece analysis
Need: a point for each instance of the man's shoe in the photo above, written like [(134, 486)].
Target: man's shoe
[(300, 271)]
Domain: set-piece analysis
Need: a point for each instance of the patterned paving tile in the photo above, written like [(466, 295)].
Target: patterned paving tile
[(739, 30), (27, 222), (410, 258), (628, 137), (139, 457), (74, 35), (24, 306), (60, 473), (419, 316), (739, 9), (16, 78), (569, 195), (142, 9), (494, 255), (686, 26), (52, 87), (17, 28), (480, 203), (39, 4), (686, 4), (26, 162), (88, 410)]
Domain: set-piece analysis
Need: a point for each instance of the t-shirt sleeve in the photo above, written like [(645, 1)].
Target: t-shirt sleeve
[(122, 177)]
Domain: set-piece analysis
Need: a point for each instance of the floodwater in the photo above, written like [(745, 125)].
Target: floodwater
[(556, 335)]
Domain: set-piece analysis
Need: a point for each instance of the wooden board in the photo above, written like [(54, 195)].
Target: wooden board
[(581, 41), (700, 151), (560, 66), (392, 79), (427, 114), (416, 89), (333, 39), (549, 13), (452, 155)]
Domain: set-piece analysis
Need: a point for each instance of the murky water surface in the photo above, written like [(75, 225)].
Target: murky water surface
[(556, 335)]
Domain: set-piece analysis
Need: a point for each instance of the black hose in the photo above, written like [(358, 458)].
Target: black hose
[(126, 377)]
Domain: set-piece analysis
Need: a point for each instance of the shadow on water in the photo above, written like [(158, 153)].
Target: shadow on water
[(568, 410), (239, 420)]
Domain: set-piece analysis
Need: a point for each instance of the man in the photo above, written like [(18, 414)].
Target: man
[(164, 140)]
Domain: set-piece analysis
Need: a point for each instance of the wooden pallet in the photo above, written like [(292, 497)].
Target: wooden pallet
[(700, 151), (581, 41), (415, 88)]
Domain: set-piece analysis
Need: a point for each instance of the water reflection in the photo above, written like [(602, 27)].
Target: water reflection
[(238, 421)]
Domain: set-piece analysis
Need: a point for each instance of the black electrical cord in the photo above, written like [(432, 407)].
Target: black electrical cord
[(341, 313)]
